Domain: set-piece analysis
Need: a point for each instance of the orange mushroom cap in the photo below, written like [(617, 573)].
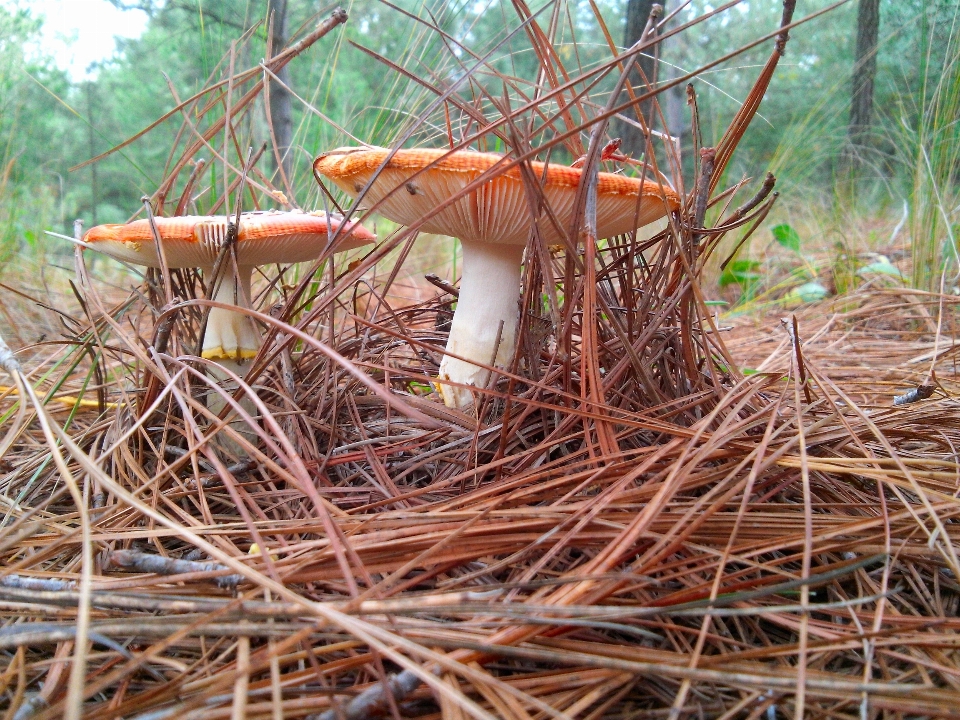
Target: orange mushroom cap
[(496, 211), (196, 240)]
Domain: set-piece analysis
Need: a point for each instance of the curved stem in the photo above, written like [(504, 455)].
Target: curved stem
[(484, 326)]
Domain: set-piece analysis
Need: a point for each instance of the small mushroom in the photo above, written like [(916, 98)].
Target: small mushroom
[(493, 223), (231, 337)]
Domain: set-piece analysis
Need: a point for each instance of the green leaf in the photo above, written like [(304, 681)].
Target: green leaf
[(787, 236), (419, 388), (806, 293), (715, 303), (882, 266), (741, 272)]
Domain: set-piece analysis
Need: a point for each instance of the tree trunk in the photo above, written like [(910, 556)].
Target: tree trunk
[(637, 14), (864, 73), (281, 109)]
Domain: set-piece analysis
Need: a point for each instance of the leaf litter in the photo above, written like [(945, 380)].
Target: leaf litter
[(628, 523)]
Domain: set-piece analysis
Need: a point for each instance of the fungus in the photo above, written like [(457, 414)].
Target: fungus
[(492, 222), (231, 337)]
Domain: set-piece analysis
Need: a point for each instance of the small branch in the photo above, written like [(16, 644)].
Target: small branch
[(921, 392), (143, 562), (442, 284), (374, 701), (21, 582), (337, 17), (761, 195), (788, 7), (185, 196), (650, 29), (161, 252), (168, 318), (708, 157), (243, 184), (52, 684), (794, 333), (35, 633)]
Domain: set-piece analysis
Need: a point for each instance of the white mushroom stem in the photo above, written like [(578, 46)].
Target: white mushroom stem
[(231, 335), (217, 401), (489, 292), (231, 340)]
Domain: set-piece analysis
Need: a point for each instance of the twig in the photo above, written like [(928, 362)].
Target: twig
[(186, 195), (921, 392), (753, 202), (793, 332), (161, 250), (29, 583), (376, 699), (442, 284), (708, 156), (147, 563), (51, 684), (789, 6)]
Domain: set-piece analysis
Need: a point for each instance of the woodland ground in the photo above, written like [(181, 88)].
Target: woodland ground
[(666, 507)]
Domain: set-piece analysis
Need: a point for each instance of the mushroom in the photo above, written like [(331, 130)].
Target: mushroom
[(493, 222), (231, 337)]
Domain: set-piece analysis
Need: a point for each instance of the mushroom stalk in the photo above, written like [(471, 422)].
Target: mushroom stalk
[(231, 339), (231, 335), (489, 292)]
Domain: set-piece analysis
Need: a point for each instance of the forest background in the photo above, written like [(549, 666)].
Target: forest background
[(859, 125)]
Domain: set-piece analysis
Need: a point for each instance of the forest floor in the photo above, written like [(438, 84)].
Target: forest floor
[(514, 574)]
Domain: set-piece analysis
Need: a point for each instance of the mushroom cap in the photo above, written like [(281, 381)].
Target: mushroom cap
[(496, 211), (195, 240)]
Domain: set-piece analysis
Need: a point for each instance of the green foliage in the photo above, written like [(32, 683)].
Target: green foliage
[(787, 236), (419, 388), (30, 191), (914, 153), (881, 266), (929, 140), (807, 293), (744, 273), (845, 267), (48, 124)]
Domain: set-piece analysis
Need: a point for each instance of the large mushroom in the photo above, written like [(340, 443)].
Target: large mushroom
[(231, 337), (493, 222)]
